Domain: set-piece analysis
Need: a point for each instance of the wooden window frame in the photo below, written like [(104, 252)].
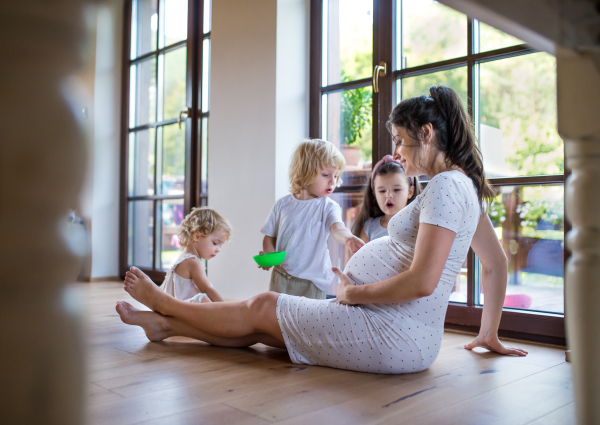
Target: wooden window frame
[(528, 325), (193, 195)]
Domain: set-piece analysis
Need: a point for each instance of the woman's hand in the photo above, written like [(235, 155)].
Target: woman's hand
[(493, 344), (343, 287), (354, 243)]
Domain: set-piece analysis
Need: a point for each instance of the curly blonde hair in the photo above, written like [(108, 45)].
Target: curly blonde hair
[(203, 220), (309, 158)]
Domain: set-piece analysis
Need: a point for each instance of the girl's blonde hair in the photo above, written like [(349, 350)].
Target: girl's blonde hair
[(203, 220), (309, 158)]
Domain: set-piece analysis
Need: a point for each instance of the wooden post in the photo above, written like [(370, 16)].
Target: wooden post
[(578, 82), (42, 160)]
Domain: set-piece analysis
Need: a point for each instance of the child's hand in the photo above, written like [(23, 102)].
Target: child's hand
[(264, 268), (354, 244)]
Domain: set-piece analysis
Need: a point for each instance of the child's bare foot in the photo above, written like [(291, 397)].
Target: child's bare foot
[(140, 287), (156, 326)]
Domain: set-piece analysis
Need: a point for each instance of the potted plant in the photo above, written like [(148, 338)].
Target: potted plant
[(356, 116)]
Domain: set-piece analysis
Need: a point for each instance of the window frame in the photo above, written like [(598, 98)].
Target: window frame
[(193, 195), (522, 324)]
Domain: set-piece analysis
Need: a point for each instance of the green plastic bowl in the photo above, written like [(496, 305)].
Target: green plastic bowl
[(271, 259)]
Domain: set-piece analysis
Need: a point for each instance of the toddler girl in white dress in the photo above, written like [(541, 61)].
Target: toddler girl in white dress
[(202, 233)]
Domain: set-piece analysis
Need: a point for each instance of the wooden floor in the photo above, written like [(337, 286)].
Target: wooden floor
[(182, 381)]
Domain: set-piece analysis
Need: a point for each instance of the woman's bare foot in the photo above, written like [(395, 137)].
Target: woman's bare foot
[(140, 287), (155, 325)]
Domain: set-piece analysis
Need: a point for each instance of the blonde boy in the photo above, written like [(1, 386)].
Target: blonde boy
[(300, 223)]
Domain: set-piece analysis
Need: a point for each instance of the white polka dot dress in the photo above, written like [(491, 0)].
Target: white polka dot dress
[(387, 338)]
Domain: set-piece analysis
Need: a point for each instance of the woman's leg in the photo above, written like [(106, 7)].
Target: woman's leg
[(224, 319), (159, 327)]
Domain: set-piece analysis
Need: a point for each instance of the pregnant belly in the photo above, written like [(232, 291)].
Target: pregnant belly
[(376, 261)]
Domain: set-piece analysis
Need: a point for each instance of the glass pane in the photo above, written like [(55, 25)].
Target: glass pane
[(174, 95), (459, 290), (141, 228), (144, 23), (175, 22), (347, 40), (517, 129), (529, 222), (205, 73), (456, 79), (143, 93), (171, 217), (432, 32), (141, 163), (204, 160), (491, 39), (173, 159), (207, 15), (349, 127), (350, 204)]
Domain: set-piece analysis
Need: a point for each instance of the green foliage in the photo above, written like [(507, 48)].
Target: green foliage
[(536, 210), (358, 65), (497, 213), (432, 32), (490, 38), (540, 215), (456, 79), (441, 36), (530, 232), (356, 111), (518, 96)]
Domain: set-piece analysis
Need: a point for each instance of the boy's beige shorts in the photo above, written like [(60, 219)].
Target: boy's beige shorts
[(285, 283)]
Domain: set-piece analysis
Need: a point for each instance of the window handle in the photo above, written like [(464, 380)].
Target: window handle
[(187, 112), (379, 71)]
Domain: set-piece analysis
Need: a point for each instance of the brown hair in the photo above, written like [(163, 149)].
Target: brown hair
[(203, 220), (454, 135), (369, 207)]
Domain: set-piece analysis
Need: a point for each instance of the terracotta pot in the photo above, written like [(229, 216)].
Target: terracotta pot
[(351, 154)]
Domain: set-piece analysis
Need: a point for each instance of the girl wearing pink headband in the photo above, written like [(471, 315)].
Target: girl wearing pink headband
[(388, 190)]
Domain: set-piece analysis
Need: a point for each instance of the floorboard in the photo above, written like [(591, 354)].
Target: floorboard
[(181, 381)]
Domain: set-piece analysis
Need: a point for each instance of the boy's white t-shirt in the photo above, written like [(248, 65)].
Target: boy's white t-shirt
[(302, 229)]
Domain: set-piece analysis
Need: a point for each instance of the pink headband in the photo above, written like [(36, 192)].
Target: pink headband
[(385, 160)]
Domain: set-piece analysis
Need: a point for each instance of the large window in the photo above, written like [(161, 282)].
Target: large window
[(510, 91), (165, 127)]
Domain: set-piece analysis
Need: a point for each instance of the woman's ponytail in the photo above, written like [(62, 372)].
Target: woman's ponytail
[(461, 147)]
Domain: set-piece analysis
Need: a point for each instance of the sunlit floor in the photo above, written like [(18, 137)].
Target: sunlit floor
[(182, 381)]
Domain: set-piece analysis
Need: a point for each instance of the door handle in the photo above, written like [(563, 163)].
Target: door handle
[(187, 112), (379, 71)]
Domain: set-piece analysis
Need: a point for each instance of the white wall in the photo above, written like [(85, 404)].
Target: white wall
[(292, 96), (106, 113), (258, 113)]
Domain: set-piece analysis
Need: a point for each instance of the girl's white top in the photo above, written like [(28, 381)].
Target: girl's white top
[(302, 230), (179, 287), (373, 228)]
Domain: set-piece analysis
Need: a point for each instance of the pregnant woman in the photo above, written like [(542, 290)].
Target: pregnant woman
[(393, 295)]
